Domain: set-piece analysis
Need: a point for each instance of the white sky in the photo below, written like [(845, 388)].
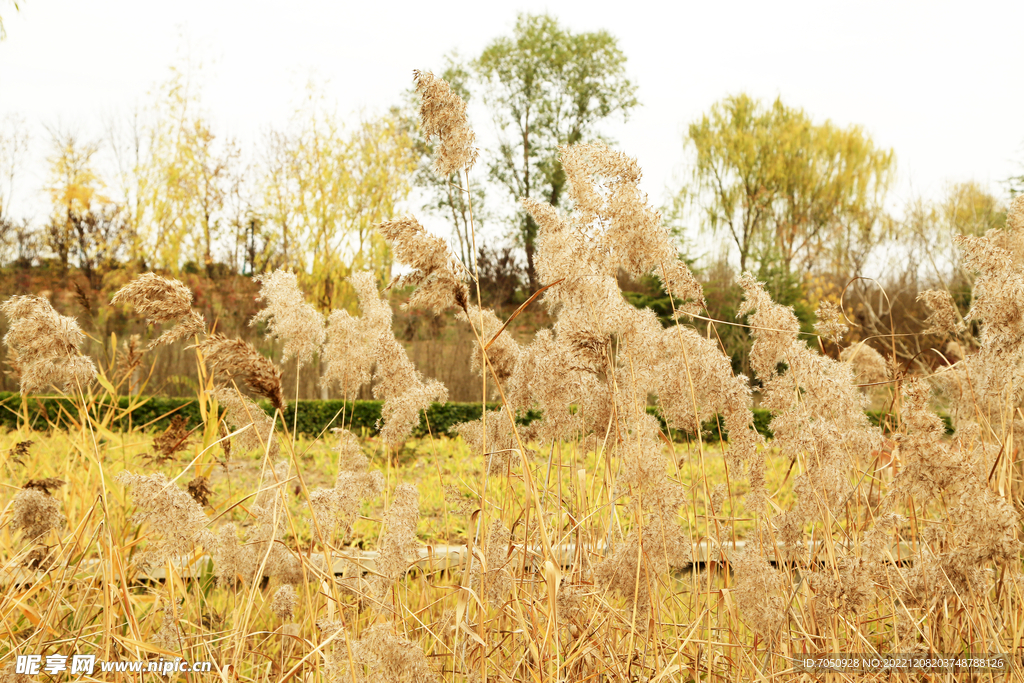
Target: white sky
[(939, 82)]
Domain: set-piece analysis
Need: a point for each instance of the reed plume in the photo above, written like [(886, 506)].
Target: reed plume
[(44, 345), (403, 389), (868, 365), (348, 349), (163, 300), (830, 321), (998, 291), (283, 604), (502, 447), (848, 588), (339, 506), (817, 410), (399, 384), (347, 357), (129, 359), (230, 358), (358, 344), (986, 523), (241, 411), (398, 543), (172, 513), (494, 582), (342, 653), (392, 658), (36, 513), (759, 591), (437, 274), (661, 544), (231, 560), (547, 376), (288, 316), (612, 227), (603, 186), (944, 318), (169, 635), (503, 353), (443, 114), (262, 544), (983, 384)]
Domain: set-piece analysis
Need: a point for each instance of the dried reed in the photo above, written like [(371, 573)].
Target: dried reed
[(230, 358), (45, 345), (163, 300)]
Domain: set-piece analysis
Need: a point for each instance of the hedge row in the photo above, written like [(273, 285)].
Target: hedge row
[(316, 416), (156, 413)]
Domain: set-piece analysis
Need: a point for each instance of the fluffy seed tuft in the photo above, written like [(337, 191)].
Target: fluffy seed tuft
[(443, 114), (230, 358), (43, 346), (163, 300), (288, 316)]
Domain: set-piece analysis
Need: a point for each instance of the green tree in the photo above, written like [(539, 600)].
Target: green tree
[(788, 190), (545, 87)]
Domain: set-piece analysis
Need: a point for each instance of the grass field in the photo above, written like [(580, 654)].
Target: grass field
[(430, 464), (116, 613)]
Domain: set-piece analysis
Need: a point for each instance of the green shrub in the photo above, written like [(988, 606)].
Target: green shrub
[(317, 416)]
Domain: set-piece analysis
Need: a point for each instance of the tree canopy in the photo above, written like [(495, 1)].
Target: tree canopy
[(788, 190), (326, 188), (547, 86)]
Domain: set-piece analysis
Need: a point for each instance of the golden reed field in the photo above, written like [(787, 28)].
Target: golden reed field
[(590, 545)]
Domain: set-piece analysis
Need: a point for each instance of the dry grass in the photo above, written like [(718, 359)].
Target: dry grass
[(588, 547)]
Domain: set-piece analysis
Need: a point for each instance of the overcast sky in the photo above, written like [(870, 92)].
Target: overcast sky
[(940, 83)]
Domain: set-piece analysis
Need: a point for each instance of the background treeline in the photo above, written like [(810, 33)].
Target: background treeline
[(806, 205)]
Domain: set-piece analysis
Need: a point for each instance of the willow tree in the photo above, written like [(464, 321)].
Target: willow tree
[(788, 191), (182, 178), (930, 229), (325, 188)]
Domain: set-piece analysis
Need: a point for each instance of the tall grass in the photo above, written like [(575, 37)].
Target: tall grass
[(585, 546)]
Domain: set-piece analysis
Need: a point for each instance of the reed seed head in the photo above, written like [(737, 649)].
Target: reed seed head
[(284, 602), (163, 300), (288, 316), (44, 345), (237, 358), (443, 114), (830, 321), (398, 544), (172, 513), (241, 411), (36, 513), (437, 274)]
